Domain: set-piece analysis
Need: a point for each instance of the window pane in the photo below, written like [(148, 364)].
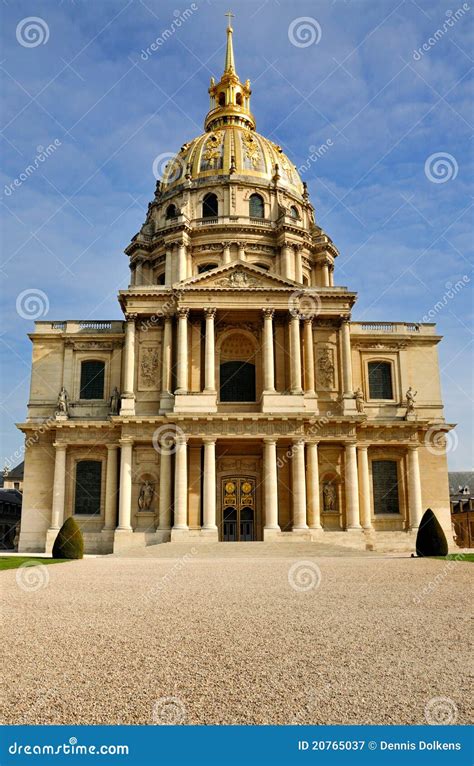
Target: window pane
[(385, 481), (380, 380), (88, 481), (209, 206), (92, 380), (256, 206), (237, 382)]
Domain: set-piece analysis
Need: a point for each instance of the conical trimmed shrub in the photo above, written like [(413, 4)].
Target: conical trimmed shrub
[(431, 540), (69, 543)]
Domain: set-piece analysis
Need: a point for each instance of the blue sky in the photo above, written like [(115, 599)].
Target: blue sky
[(353, 82)]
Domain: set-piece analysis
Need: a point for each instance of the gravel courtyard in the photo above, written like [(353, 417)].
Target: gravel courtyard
[(224, 636)]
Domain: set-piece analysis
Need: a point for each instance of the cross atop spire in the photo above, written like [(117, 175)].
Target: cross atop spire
[(229, 55)]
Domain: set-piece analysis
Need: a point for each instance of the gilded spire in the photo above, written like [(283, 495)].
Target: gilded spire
[(229, 54), (229, 98)]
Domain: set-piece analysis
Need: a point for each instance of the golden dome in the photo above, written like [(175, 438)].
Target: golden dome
[(230, 145), (228, 151)]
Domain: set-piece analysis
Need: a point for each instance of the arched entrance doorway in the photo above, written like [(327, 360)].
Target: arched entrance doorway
[(238, 509)]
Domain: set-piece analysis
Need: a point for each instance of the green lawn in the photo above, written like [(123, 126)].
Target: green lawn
[(458, 557), (13, 562)]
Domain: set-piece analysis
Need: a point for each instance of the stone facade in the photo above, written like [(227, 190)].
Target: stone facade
[(232, 289)]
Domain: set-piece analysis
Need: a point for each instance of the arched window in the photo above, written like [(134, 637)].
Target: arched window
[(238, 99), (262, 266), (385, 483), (88, 486), (203, 267), (380, 380), (294, 212), (92, 379), (210, 207), (237, 382), (221, 99), (256, 206), (160, 280), (171, 212)]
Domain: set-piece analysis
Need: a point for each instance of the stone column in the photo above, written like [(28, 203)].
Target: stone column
[(308, 357), (128, 395), (415, 507), (270, 484), (295, 355), (241, 255), (312, 483), (268, 352), (125, 493), (325, 272), (346, 360), (331, 276), (110, 521), (287, 262), (209, 367), (182, 262), (298, 485), (139, 273), (166, 367), (181, 483), (59, 486), (226, 253), (352, 487), (169, 266), (298, 264), (209, 484), (364, 487), (182, 376), (165, 500)]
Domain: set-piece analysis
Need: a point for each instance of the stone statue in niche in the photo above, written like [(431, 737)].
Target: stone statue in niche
[(62, 407), (326, 368), (359, 400), (410, 403), (114, 405), (145, 498), (329, 497)]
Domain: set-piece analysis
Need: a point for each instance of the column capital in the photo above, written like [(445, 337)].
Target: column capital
[(298, 440), (182, 312), (268, 313), (131, 318), (210, 312), (413, 447), (60, 446), (181, 438), (111, 447), (361, 446), (270, 440), (126, 440), (313, 441), (209, 439), (345, 320), (297, 246)]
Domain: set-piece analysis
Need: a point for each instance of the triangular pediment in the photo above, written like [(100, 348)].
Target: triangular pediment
[(238, 275)]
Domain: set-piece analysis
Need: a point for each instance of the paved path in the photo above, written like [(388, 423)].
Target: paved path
[(230, 637)]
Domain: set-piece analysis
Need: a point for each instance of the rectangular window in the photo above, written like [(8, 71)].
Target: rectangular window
[(385, 482), (380, 380), (92, 380), (88, 486)]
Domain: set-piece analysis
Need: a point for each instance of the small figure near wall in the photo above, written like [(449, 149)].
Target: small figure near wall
[(410, 402), (329, 497), (62, 408), (145, 497), (359, 400), (115, 402)]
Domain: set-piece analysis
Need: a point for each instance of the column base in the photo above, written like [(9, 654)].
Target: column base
[(166, 401), (311, 402), (179, 535), (123, 538), (301, 534), (127, 405), (354, 528), (210, 535), (349, 404), (271, 533), (51, 536)]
